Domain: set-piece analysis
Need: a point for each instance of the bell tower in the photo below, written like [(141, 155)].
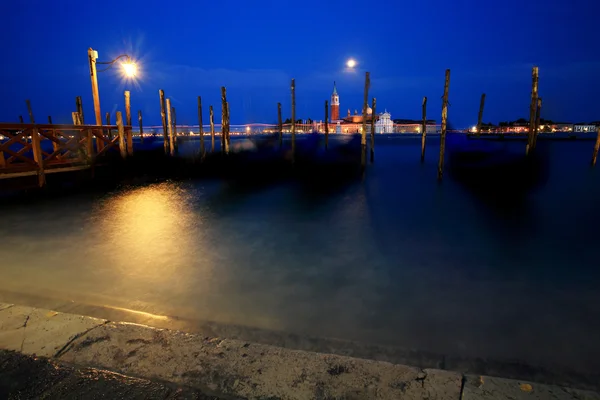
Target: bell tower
[(335, 104)]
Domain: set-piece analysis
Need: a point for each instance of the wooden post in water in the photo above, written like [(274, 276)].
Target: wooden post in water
[(212, 128), (532, 109), (596, 147), (37, 147), (326, 124), (141, 126), (170, 127), (127, 108), (224, 144), (538, 113), (200, 127), (373, 113), (163, 115), (121, 130), (176, 140), (279, 124), (444, 123), (129, 136), (480, 115), (424, 128), (293, 90), (363, 138), (110, 136), (76, 118), (227, 138), (79, 106), (228, 128)]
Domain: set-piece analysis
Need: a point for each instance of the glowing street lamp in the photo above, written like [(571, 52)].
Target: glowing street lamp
[(129, 70)]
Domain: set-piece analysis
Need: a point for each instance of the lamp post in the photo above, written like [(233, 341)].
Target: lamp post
[(129, 68)]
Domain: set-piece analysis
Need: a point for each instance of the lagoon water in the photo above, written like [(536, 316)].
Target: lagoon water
[(396, 259)]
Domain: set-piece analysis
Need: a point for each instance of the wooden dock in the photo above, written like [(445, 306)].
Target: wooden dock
[(40, 149)]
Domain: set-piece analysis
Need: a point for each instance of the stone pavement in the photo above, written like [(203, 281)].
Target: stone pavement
[(29, 377), (238, 369)]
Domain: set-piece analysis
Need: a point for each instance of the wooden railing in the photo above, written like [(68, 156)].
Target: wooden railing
[(38, 149)]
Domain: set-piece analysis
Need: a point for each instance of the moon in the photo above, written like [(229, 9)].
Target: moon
[(351, 63)]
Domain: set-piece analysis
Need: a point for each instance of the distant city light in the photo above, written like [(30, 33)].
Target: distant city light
[(474, 129), (351, 63)]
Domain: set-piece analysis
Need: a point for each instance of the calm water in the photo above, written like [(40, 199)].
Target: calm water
[(396, 259)]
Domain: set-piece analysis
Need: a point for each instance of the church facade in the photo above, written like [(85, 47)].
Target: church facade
[(352, 123)]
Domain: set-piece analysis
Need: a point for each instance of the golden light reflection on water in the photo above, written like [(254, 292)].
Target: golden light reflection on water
[(149, 240)]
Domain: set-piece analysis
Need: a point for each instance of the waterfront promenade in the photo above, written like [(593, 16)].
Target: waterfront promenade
[(186, 365)]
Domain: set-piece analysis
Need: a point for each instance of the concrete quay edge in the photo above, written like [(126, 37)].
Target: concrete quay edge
[(243, 370)]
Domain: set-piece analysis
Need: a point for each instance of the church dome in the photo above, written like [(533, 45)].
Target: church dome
[(369, 110)]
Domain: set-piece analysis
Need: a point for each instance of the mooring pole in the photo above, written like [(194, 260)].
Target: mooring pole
[(36, 147), (293, 90), (224, 147), (200, 128), (127, 94), (444, 124), (538, 113), (279, 125), (141, 126), (170, 127), (326, 124), (121, 130), (212, 129), (176, 136), (480, 115), (363, 138), (79, 106), (424, 128), (532, 109), (227, 138), (163, 116), (596, 147), (108, 124), (373, 113)]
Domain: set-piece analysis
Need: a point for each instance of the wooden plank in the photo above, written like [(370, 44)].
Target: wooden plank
[(9, 175), (112, 144)]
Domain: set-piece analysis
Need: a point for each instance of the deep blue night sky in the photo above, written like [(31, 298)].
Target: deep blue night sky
[(254, 47)]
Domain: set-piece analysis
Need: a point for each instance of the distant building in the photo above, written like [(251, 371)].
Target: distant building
[(384, 123), (414, 126), (584, 128), (352, 123), (335, 105)]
